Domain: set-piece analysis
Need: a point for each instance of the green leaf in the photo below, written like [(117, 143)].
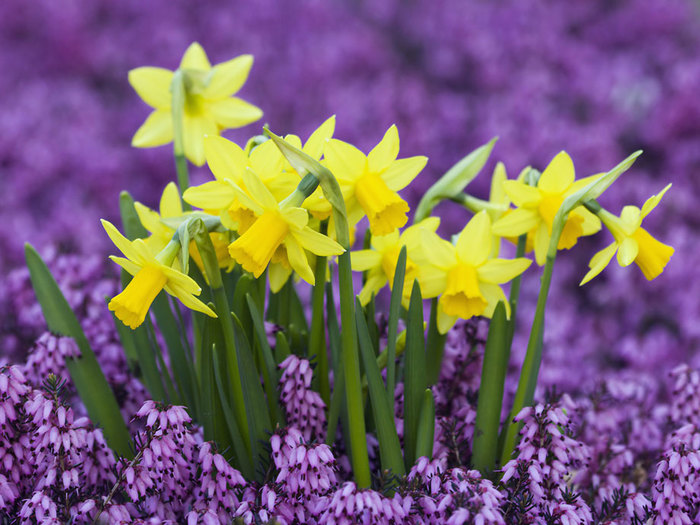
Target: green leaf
[(455, 180), (318, 349), (426, 426), (382, 404), (435, 347), (89, 381), (414, 375), (493, 376), (281, 347), (393, 328), (133, 229)]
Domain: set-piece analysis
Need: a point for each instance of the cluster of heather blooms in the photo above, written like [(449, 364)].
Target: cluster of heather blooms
[(304, 408)]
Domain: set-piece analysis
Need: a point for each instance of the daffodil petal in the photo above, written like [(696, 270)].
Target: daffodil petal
[(234, 112), (363, 260), (384, 153), (541, 246), (213, 195), (170, 202), (344, 160), (558, 175), (152, 84), (122, 243), (149, 218), (627, 252), (497, 194), (317, 141), (195, 58), (278, 275), (439, 252), (180, 280), (297, 218), (401, 172), (195, 129), (226, 159), (433, 281), (228, 77), (499, 271), (383, 242), (142, 249), (266, 160), (516, 222), (474, 242), (598, 262), (189, 300), (591, 222), (298, 261), (375, 282), (258, 190), (317, 243), (155, 131), (444, 321), (653, 201), (582, 183), (128, 265), (493, 295), (521, 194)]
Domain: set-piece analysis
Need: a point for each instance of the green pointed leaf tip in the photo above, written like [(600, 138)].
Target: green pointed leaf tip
[(455, 180)]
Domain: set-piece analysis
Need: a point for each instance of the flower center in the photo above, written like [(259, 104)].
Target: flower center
[(243, 217), (462, 297), (254, 249), (131, 306), (385, 210), (549, 206)]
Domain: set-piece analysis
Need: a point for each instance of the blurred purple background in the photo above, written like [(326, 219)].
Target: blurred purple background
[(599, 79)]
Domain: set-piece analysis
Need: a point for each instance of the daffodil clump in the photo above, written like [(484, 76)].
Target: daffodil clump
[(277, 211)]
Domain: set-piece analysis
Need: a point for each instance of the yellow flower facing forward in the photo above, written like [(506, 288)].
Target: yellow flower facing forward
[(462, 274), (370, 183), (209, 105), (538, 205), (152, 273), (279, 232), (380, 261), (632, 242)]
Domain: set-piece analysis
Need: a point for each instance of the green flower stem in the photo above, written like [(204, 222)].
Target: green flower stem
[(515, 291), (178, 108), (211, 268), (533, 358), (317, 339), (435, 346)]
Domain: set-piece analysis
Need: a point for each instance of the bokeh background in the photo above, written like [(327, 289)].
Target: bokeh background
[(599, 78)]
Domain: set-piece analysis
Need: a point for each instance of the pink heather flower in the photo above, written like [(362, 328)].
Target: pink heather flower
[(48, 356), (303, 406)]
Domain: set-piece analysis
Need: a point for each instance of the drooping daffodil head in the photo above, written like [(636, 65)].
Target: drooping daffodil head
[(633, 244), (152, 273), (463, 275), (208, 106), (538, 205), (370, 182)]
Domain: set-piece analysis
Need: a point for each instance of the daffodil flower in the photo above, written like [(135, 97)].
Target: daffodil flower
[(209, 105), (152, 273), (380, 261), (462, 274), (369, 183), (632, 242), (280, 232), (537, 206), (170, 207)]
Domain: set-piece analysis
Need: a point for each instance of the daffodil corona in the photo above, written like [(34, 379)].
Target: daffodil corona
[(208, 107), (632, 242), (152, 273)]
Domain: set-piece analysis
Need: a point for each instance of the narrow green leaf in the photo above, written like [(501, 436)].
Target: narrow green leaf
[(393, 328), (426, 426), (455, 180), (89, 381), (382, 404), (435, 347), (414, 374), (281, 347), (493, 376), (338, 395), (318, 349), (133, 229)]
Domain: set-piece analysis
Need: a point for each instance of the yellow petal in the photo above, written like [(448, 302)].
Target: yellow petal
[(558, 175), (170, 202), (317, 141), (432, 280), (128, 265), (493, 295), (125, 245), (498, 271), (363, 260), (149, 218), (384, 153), (653, 201), (521, 194), (278, 276), (317, 243), (498, 195), (226, 159), (195, 129), (444, 321), (401, 172), (228, 77), (438, 251), (516, 222), (195, 58), (153, 85), (344, 160), (541, 243), (375, 282), (234, 112), (474, 242), (257, 189), (156, 131), (599, 261), (653, 255), (582, 183), (591, 222), (213, 195), (189, 300), (266, 160), (298, 260), (627, 252)]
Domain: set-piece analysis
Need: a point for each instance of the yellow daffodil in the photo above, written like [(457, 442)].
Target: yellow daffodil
[(152, 273), (280, 233), (380, 261), (537, 206), (209, 105), (462, 274), (632, 242), (369, 183), (170, 207)]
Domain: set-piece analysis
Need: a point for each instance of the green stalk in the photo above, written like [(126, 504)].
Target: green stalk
[(515, 291), (392, 329), (177, 87), (435, 346), (317, 339)]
